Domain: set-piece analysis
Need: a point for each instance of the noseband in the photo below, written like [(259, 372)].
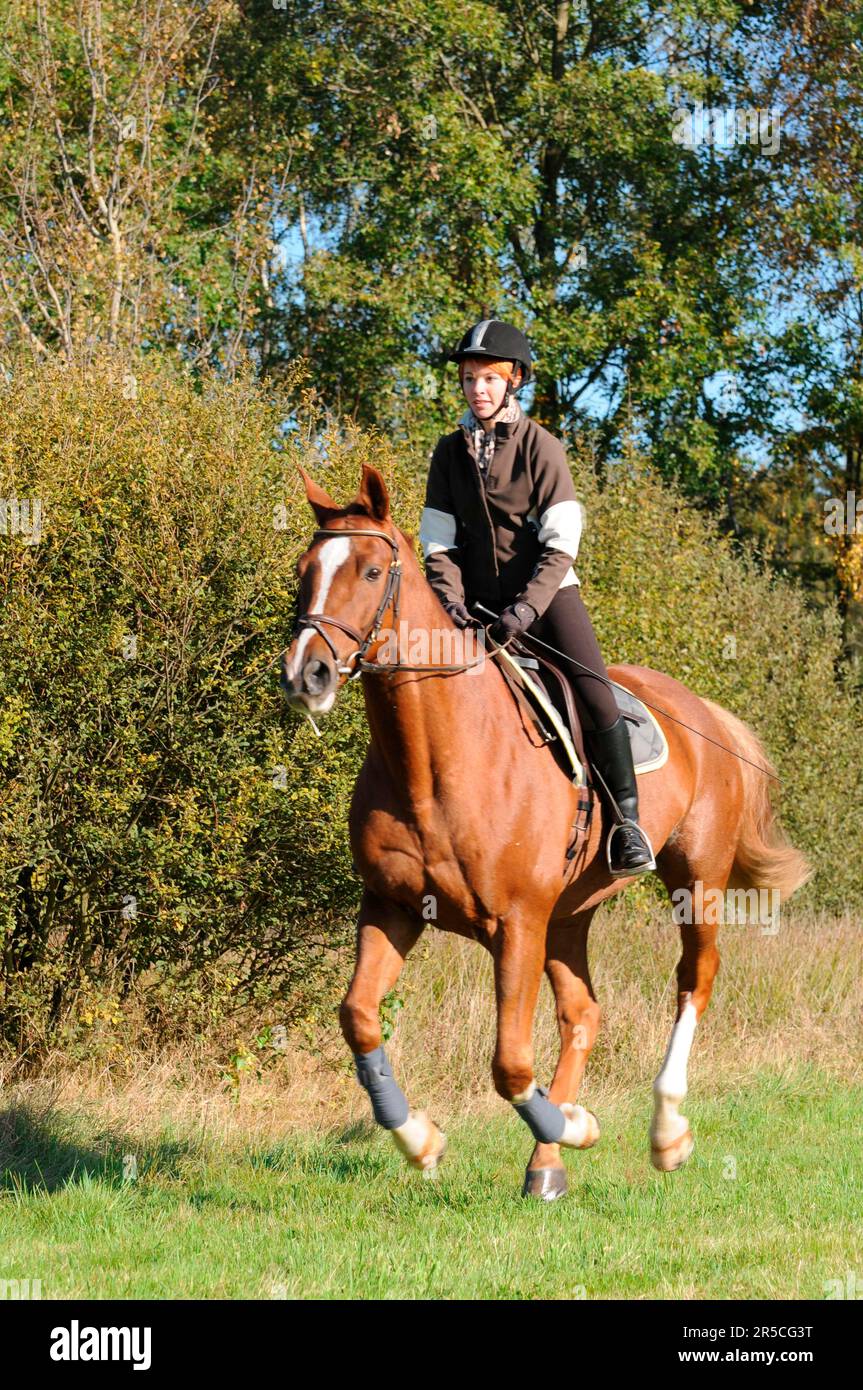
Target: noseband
[(391, 594)]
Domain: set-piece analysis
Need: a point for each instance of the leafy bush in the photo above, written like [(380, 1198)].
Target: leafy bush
[(164, 821), (167, 828)]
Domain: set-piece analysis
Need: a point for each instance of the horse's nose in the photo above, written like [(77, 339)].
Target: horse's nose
[(317, 677), (314, 677)]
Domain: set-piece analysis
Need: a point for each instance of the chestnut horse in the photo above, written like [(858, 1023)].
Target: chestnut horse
[(455, 806)]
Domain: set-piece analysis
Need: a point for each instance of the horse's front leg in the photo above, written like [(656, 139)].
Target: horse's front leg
[(519, 949), (385, 934)]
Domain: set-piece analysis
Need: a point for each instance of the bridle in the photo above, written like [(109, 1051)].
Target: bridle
[(391, 594)]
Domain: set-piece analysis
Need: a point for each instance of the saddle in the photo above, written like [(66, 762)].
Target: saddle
[(552, 708)]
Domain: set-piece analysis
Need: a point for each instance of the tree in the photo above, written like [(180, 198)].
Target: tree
[(117, 224)]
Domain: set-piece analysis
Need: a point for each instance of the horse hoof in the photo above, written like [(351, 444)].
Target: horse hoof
[(673, 1155), (421, 1142), (546, 1183), (582, 1127), (430, 1163), (593, 1130)]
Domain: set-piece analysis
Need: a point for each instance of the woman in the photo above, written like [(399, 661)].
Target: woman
[(501, 526)]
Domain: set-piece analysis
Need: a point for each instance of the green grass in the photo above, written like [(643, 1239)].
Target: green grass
[(340, 1216)]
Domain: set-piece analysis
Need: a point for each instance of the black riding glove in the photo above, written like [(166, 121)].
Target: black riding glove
[(460, 616), (512, 621)]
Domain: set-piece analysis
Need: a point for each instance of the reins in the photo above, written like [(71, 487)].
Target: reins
[(608, 681), (392, 594)]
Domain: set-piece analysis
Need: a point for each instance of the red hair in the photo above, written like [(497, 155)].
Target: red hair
[(506, 369)]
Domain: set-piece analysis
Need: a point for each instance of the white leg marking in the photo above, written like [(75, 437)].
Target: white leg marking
[(669, 1088), (581, 1127), (412, 1136)]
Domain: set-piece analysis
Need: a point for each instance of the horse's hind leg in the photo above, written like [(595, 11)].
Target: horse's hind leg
[(385, 934), (578, 1016), (671, 1140)]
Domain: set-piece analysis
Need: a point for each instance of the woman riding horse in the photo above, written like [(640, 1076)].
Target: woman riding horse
[(445, 812), (501, 527)]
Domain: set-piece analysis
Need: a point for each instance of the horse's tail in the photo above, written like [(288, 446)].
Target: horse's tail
[(764, 858)]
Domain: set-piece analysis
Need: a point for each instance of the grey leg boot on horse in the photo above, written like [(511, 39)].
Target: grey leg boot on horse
[(628, 849)]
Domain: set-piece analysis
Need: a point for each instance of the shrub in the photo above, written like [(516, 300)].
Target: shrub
[(165, 820), (167, 828)]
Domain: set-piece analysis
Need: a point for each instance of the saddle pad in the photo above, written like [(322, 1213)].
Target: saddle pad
[(646, 738)]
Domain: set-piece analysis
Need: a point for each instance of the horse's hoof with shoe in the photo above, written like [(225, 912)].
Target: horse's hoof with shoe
[(546, 1183)]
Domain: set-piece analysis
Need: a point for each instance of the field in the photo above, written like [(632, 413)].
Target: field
[(150, 1177)]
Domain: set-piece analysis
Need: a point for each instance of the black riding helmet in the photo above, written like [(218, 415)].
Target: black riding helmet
[(498, 342)]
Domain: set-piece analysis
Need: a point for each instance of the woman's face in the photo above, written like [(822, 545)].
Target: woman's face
[(483, 387)]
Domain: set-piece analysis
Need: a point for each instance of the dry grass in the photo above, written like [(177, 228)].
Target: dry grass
[(781, 1002)]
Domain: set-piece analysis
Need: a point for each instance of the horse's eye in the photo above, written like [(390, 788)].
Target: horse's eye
[(373, 573)]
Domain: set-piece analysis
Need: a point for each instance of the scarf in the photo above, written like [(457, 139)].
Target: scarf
[(485, 440)]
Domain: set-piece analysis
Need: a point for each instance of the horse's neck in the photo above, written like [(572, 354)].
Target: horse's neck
[(421, 723)]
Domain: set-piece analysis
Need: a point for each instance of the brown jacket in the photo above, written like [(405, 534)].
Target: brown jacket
[(509, 538)]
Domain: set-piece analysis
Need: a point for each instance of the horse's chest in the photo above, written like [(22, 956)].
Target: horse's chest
[(416, 861)]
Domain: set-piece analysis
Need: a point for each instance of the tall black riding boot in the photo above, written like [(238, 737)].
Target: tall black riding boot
[(628, 850)]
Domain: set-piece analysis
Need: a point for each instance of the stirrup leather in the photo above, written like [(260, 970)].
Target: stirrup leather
[(637, 868)]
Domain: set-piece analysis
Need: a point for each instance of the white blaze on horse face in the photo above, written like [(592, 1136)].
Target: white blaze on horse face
[(333, 555), (669, 1088)]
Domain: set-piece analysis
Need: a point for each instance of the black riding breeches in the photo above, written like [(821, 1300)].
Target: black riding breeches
[(566, 624)]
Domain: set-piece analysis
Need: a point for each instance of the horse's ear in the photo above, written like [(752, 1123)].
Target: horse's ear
[(373, 495), (320, 502)]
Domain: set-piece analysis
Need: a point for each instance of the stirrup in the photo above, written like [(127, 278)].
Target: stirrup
[(638, 868)]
